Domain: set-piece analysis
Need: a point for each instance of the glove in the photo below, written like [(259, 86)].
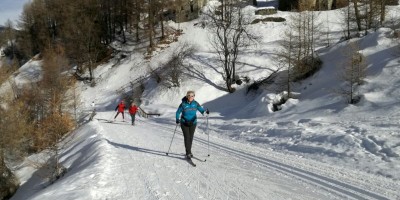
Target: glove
[(177, 121), (207, 112)]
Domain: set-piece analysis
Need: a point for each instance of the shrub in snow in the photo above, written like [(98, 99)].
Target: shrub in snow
[(274, 19), (353, 73), (173, 69), (396, 33), (263, 81), (57, 173), (239, 81), (281, 99), (306, 68), (256, 21), (392, 2), (8, 183), (269, 19), (266, 11)]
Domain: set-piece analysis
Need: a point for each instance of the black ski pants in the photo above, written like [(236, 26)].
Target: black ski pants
[(133, 118), (118, 113), (188, 133)]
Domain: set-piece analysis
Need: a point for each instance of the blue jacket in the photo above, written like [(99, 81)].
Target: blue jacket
[(188, 110)]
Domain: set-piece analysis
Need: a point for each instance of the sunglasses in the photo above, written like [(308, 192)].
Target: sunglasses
[(191, 95)]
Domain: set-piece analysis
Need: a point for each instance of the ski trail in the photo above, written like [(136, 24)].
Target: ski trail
[(139, 166), (328, 183), (136, 153), (207, 181), (334, 185)]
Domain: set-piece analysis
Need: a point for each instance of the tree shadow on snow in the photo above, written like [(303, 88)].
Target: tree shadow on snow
[(197, 74), (119, 122), (233, 105)]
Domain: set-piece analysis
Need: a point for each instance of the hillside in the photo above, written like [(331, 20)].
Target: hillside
[(316, 147)]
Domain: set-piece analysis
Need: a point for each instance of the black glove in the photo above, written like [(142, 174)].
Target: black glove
[(207, 112), (177, 121)]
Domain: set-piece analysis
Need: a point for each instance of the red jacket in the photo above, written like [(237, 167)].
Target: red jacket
[(133, 109), (120, 107)]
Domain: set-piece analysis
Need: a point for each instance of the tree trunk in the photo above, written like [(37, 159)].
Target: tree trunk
[(383, 11), (150, 28), (371, 13), (137, 15), (348, 20), (357, 15), (229, 85), (2, 163), (162, 25)]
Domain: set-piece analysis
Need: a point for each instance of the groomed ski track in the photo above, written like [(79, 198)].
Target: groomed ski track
[(136, 167)]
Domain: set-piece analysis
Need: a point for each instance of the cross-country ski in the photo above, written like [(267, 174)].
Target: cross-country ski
[(190, 161)]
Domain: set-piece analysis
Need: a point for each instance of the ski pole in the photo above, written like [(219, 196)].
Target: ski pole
[(172, 139), (208, 133), (112, 116)]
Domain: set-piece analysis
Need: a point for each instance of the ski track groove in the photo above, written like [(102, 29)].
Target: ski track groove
[(147, 187), (216, 181), (128, 190), (150, 182), (330, 184), (225, 185), (204, 180), (325, 182)]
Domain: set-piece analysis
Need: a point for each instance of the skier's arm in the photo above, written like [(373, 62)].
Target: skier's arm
[(116, 108), (200, 109), (178, 112)]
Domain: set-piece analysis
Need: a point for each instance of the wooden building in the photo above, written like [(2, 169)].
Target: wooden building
[(307, 4), (185, 10)]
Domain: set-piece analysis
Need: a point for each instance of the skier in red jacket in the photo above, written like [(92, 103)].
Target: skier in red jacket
[(120, 108), (132, 110)]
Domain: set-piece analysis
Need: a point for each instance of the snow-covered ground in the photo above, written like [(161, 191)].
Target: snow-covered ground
[(120, 161), (316, 147)]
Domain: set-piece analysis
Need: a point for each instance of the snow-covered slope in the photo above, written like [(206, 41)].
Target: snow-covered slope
[(316, 147), (120, 161)]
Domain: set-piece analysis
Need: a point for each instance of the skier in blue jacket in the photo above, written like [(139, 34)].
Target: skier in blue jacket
[(186, 116)]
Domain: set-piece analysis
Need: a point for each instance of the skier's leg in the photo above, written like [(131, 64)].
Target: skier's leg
[(191, 134), (185, 130), (133, 118), (116, 115), (123, 118)]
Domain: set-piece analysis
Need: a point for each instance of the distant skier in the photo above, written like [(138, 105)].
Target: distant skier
[(120, 108), (188, 119), (132, 111)]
